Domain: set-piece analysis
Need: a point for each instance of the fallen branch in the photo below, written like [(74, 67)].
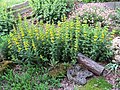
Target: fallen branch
[(90, 64)]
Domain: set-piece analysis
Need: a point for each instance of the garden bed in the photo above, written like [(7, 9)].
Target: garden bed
[(36, 52)]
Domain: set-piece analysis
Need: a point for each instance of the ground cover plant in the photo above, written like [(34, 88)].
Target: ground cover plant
[(27, 77), (6, 20)]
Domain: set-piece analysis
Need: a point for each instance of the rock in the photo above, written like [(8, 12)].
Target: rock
[(116, 43), (117, 58), (78, 74), (116, 49)]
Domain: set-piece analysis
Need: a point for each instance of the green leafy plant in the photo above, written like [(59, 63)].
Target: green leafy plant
[(6, 20), (113, 67), (50, 44), (33, 77), (52, 11), (4, 45)]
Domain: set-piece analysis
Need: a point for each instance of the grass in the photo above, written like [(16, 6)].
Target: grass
[(27, 77)]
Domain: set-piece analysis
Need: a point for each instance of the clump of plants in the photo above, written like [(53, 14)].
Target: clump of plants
[(33, 77), (52, 11), (116, 21), (3, 46), (6, 20), (52, 44)]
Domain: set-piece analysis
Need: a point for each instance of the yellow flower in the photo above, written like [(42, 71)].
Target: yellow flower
[(11, 34), (33, 45), (59, 24), (85, 33), (71, 25), (22, 33), (47, 26), (51, 36), (37, 34), (9, 43), (30, 33), (36, 31), (76, 44), (77, 24), (95, 38), (19, 48), (58, 33), (102, 36), (26, 44), (41, 56)]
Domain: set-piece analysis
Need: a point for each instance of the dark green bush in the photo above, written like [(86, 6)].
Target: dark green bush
[(52, 11)]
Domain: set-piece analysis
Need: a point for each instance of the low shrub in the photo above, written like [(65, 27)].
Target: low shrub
[(52, 11), (52, 44)]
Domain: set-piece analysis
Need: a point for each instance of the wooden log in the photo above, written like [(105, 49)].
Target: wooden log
[(19, 6), (90, 64), (24, 9)]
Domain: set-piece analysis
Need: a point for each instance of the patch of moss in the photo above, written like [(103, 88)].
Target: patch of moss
[(96, 84), (59, 70)]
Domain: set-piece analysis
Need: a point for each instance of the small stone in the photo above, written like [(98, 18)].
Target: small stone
[(117, 58)]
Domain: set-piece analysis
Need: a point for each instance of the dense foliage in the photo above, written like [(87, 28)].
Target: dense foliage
[(28, 77), (53, 44), (52, 11)]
